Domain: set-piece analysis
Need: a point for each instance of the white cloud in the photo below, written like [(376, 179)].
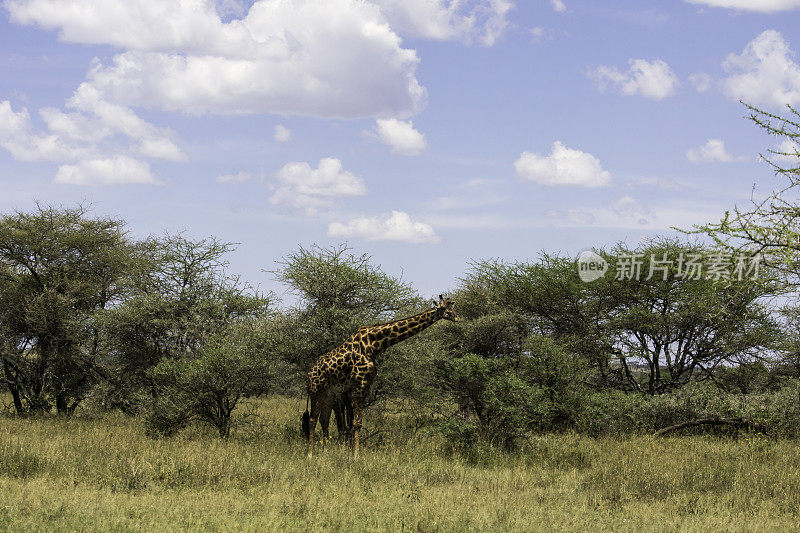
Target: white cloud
[(397, 227), (325, 58), (282, 133), (161, 149), (764, 73), (17, 136), (74, 126), (400, 136), (764, 6), (575, 216), (713, 151), (466, 21), (538, 33), (700, 81), (125, 121), (310, 189), (88, 136), (653, 80), (564, 166), (239, 177), (558, 5), (107, 171), (628, 207)]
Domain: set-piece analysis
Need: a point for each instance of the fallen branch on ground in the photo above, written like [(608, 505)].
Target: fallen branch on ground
[(738, 423)]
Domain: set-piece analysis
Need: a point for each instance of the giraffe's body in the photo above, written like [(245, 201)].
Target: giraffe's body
[(351, 368)]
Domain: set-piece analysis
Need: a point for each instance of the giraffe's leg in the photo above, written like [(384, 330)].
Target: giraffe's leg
[(338, 413), (347, 413), (324, 419), (358, 407), (312, 422)]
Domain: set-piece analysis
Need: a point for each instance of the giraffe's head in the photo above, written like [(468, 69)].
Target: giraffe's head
[(444, 309)]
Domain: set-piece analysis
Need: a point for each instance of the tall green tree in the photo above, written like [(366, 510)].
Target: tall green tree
[(508, 302), (337, 291), (208, 385), (59, 268), (181, 295), (687, 313), (770, 224)]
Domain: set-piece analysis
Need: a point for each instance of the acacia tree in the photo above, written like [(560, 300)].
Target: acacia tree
[(208, 385), (769, 226), (58, 270), (181, 295), (508, 302), (672, 329), (337, 292), (680, 325)]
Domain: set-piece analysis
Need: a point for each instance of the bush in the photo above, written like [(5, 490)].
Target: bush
[(207, 387), (614, 412), (494, 401)]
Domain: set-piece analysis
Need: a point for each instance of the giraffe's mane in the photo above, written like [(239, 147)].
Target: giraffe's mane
[(396, 320)]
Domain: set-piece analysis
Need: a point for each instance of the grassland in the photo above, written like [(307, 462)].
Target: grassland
[(100, 472)]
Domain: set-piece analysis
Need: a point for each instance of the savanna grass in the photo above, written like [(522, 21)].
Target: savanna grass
[(100, 472)]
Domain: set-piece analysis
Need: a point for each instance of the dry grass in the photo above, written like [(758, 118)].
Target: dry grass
[(102, 473)]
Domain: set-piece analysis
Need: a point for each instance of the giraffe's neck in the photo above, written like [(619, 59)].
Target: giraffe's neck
[(386, 335)]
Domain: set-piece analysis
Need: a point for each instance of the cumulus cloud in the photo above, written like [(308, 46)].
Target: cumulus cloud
[(654, 80), (324, 58), (282, 133), (302, 187), (18, 137), (558, 5), (564, 166), (239, 177), (76, 127), (161, 149), (628, 207), (700, 81), (763, 6), (765, 73), (90, 135), (321, 58), (466, 21), (398, 226), (713, 151), (400, 136), (574, 216), (115, 170)]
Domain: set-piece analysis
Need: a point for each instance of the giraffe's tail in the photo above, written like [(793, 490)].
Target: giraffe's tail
[(305, 421)]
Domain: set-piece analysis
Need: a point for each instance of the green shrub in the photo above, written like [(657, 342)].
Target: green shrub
[(614, 412)]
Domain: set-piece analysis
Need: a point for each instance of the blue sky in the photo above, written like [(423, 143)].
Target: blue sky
[(424, 132)]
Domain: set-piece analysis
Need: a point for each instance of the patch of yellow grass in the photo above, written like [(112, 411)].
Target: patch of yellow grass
[(102, 473)]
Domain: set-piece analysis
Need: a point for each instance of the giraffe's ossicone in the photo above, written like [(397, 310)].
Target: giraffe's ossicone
[(351, 368)]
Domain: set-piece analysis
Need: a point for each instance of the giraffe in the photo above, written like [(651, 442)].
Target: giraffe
[(350, 368)]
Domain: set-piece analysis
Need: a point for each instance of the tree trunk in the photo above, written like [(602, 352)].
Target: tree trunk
[(12, 382), (17, 400), (62, 407)]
